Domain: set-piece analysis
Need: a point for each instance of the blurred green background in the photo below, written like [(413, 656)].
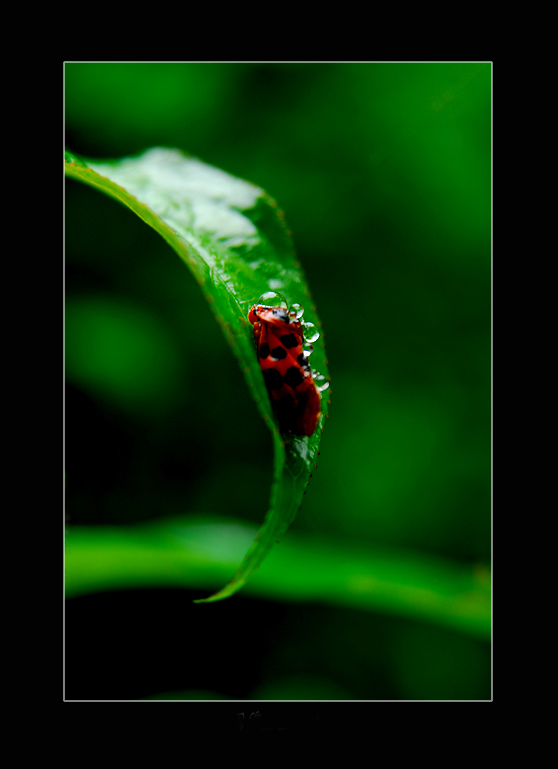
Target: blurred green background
[(384, 173)]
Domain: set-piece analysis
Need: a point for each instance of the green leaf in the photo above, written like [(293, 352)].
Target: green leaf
[(197, 554), (234, 239)]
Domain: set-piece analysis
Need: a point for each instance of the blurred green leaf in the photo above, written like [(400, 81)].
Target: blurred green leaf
[(121, 355), (198, 554), (233, 238)]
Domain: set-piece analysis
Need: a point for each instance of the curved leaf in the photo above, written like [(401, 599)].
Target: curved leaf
[(196, 554), (233, 238)]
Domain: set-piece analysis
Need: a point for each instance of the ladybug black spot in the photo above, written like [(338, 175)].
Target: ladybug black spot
[(294, 376), (284, 408), (278, 353), (289, 340), (264, 350), (272, 379)]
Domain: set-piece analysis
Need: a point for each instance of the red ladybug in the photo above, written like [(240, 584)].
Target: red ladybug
[(286, 371)]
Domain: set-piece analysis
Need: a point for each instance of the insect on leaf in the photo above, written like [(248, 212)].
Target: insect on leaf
[(233, 238)]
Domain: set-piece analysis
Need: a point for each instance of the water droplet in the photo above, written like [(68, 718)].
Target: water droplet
[(311, 333), (298, 309), (307, 348), (321, 382), (273, 299)]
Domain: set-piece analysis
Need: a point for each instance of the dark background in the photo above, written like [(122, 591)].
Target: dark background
[(383, 171)]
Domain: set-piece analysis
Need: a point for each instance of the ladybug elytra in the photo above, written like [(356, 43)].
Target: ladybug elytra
[(285, 367)]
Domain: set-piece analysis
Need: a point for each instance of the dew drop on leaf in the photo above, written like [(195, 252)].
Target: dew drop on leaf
[(298, 309), (321, 381), (273, 299), (311, 333)]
